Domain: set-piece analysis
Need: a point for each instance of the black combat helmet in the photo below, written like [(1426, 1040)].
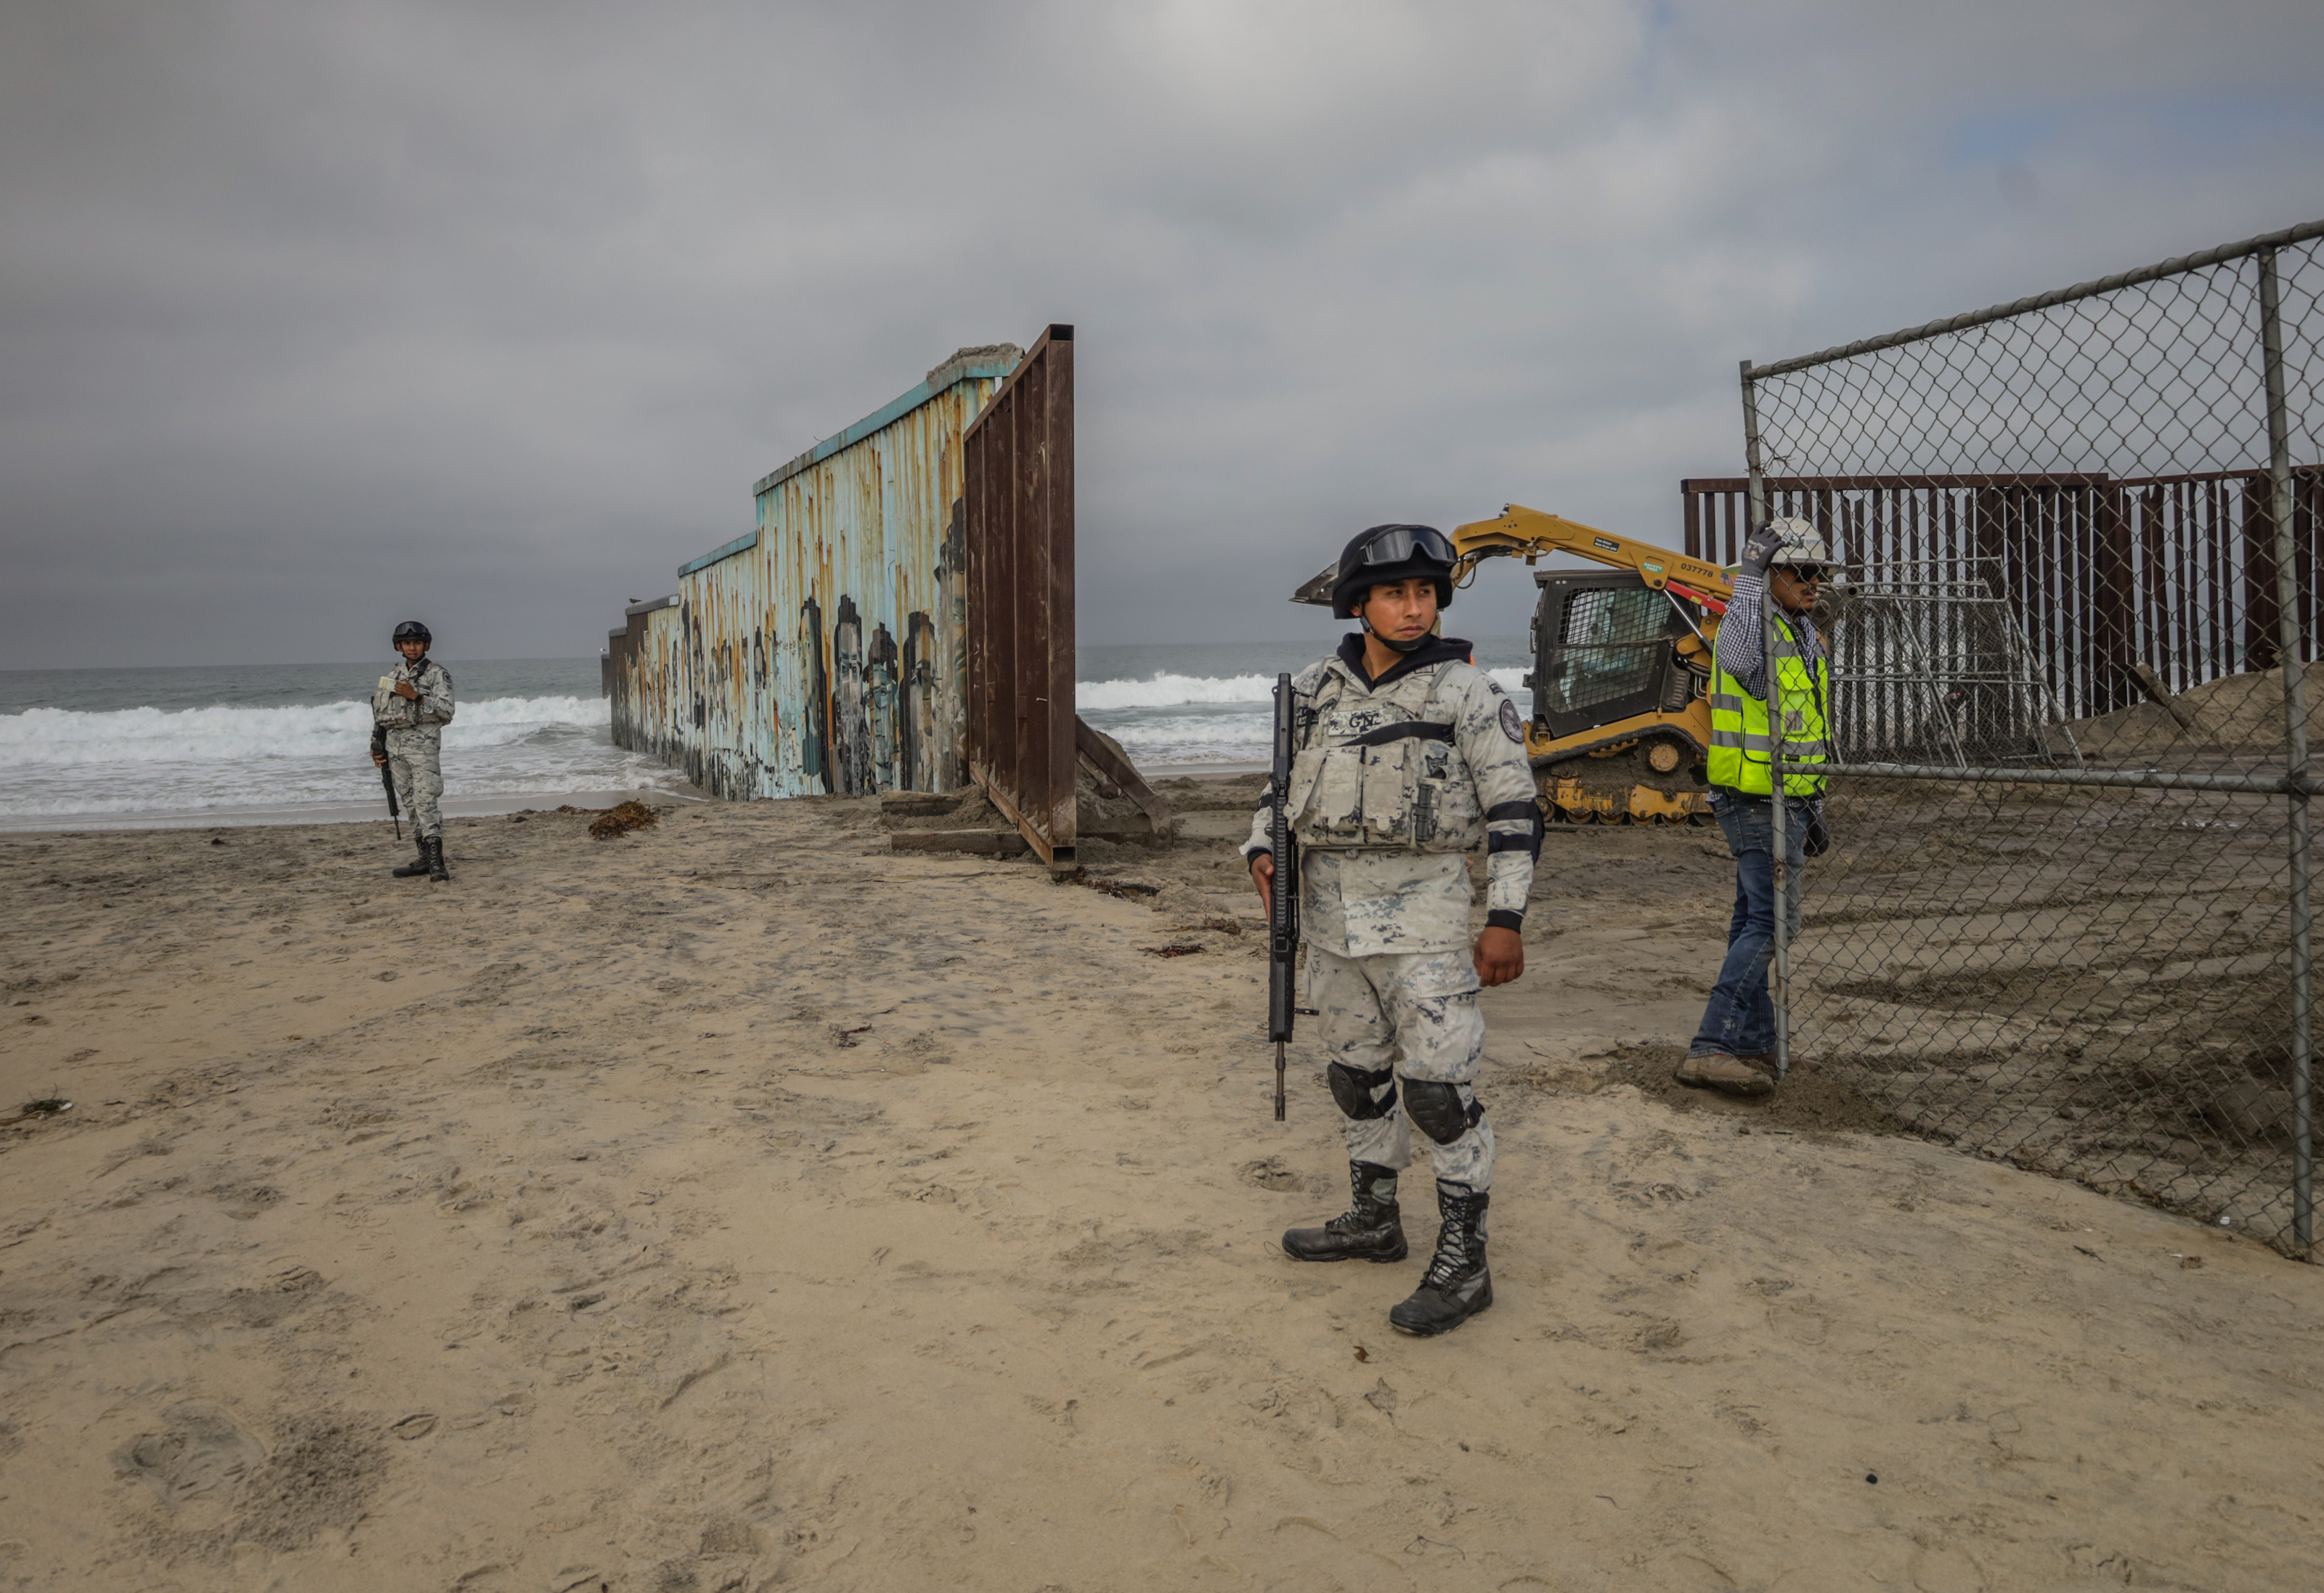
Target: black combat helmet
[(413, 630), (1392, 553)]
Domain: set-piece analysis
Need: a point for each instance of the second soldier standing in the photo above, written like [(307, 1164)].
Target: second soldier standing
[(1408, 757), (409, 713)]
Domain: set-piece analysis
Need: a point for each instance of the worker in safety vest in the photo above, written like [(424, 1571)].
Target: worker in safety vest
[(1734, 1048)]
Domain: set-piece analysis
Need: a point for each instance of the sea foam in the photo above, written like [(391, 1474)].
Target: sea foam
[(1163, 690), (62, 737)]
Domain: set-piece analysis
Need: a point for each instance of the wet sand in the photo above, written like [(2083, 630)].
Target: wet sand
[(350, 812), (742, 1204)]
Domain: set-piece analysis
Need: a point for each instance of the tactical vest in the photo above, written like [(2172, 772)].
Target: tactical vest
[(1392, 780), (1739, 741), (391, 712)]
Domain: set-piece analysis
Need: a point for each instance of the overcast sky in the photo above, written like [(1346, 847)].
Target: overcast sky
[(317, 315)]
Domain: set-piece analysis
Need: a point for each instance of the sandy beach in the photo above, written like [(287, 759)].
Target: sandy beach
[(741, 1203)]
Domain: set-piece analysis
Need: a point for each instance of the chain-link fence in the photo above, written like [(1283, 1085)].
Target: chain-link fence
[(2065, 920)]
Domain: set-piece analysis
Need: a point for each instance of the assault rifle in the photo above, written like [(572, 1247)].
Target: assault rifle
[(387, 779), (1283, 900)]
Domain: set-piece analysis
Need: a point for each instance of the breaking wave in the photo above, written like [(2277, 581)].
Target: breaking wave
[(1162, 690), (1178, 719), (60, 737), (59, 762)]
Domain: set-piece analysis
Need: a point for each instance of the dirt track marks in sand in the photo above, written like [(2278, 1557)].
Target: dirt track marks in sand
[(738, 1202)]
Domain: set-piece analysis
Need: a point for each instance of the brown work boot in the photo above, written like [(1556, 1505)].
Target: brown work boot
[(1718, 1070), (1764, 1060)]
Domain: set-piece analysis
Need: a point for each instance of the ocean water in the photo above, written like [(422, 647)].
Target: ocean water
[(289, 743), (1213, 702)]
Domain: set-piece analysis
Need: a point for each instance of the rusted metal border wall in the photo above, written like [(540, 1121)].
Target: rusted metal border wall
[(639, 677), (1019, 470), (2175, 574), (824, 649)]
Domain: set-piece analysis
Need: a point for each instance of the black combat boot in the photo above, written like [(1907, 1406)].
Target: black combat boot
[(1371, 1229), (1457, 1286), (418, 867), (436, 868)]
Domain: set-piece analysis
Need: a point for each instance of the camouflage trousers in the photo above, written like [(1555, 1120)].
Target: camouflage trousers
[(414, 757), (1414, 1016)]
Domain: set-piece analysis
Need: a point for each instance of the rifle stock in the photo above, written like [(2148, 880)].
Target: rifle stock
[(1282, 904)]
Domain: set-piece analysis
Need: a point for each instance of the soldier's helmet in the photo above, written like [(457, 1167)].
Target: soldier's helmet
[(1797, 542), (413, 630), (1392, 553)]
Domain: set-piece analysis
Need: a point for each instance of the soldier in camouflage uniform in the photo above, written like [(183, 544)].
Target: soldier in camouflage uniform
[(409, 713), (1408, 756)]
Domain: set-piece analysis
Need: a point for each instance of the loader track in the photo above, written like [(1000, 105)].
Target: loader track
[(1623, 788)]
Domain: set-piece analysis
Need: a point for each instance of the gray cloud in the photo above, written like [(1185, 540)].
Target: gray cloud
[(314, 315)]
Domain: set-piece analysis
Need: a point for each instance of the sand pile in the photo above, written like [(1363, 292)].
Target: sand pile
[(2235, 713), (1102, 806)]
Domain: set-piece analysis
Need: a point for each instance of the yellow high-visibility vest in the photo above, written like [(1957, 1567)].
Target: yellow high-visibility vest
[(1739, 741)]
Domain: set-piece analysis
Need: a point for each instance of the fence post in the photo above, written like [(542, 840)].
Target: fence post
[(1779, 968), (2293, 654)]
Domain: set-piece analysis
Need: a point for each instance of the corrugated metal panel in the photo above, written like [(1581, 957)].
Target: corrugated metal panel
[(823, 651), (749, 539), (644, 683)]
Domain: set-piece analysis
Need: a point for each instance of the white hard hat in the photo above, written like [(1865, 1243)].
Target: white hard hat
[(1797, 542)]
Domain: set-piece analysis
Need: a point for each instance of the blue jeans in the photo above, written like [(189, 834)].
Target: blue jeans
[(1739, 1018)]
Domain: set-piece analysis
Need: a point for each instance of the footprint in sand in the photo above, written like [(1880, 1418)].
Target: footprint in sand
[(198, 1451), (1272, 1173)]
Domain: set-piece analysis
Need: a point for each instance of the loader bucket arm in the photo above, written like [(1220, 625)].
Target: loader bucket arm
[(1530, 533)]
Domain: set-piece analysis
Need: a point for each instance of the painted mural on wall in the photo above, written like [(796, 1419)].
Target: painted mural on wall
[(825, 650), (815, 722)]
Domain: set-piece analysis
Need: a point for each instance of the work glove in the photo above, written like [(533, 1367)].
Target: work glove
[(1759, 550), (1818, 839)]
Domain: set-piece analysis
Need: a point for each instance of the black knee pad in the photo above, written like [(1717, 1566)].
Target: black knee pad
[(1438, 1109), (1353, 1090)]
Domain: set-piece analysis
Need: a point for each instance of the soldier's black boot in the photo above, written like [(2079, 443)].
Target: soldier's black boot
[(436, 868), (418, 867), (1370, 1229), (1457, 1286)]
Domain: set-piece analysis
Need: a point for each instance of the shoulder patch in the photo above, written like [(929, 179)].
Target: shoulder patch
[(1494, 687), (1511, 726)]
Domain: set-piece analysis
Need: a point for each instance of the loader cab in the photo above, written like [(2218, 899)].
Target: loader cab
[(1604, 651)]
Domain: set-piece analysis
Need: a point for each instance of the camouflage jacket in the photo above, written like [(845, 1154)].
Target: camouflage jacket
[(1394, 782), (433, 706)]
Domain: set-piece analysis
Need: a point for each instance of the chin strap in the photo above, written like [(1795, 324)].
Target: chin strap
[(1414, 646)]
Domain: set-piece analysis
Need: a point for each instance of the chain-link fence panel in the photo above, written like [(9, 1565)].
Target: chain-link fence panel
[(2065, 921), (2084, 980)]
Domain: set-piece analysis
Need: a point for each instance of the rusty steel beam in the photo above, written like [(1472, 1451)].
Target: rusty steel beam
[(1017, 464), (1102, 756)]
